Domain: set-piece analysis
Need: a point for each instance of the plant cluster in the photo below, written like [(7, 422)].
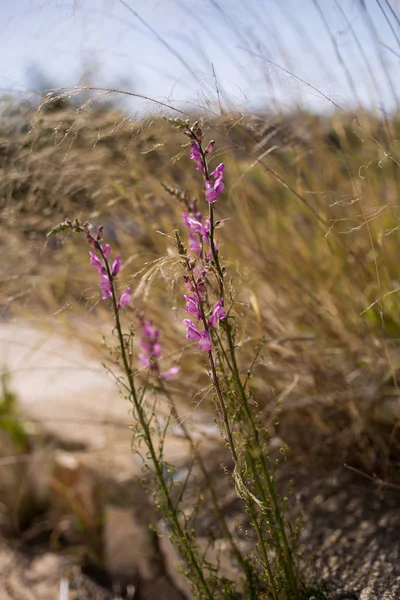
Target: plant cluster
[(271, 570)]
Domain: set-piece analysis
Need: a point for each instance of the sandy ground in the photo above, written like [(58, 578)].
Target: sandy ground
[(351, 525)]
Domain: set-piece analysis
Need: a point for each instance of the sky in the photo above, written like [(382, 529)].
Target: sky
[(239, 54)]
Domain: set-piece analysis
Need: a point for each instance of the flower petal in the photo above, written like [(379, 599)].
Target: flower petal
[(125, 298), (170, 373)]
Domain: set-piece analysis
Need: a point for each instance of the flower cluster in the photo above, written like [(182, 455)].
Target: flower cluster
[(214, 182), (192, 331), (199, 228), (196, 155), (199, 231), (149, 342), (106, 279), (152, 351), (215, 185), (195, 306)]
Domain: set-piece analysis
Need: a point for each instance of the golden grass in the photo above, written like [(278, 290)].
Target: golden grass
[(311, 239)]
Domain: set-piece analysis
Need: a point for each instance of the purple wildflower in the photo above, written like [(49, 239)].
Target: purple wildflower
[(217, 313), (125, 298), (96, 262), (209, 148), (170, 373), (150, 344), (116, 266), (185, 217), (195, 225), (105, 286), (213, 190), (195, 155), (199, 290), (194, 243), (144, 361), (192, 306), (152, 350), (150, 331), (107, 251), (196, 228), (218, 172), (205, 341), (202, 337)]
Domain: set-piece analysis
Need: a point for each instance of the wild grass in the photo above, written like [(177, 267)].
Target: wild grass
[(312, 233), (309, 234)]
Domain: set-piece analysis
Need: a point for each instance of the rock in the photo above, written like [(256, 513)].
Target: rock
[(130, 547), (63, 387), (41, 577), (76, 504)]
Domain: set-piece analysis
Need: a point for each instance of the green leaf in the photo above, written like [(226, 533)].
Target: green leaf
[(64, 226)]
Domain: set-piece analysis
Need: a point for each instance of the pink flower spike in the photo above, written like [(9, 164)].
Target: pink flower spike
[(144, 361), (209, 148), (217, 313), (219, 186), (192, 306), (105, 287), (211, 195), (143, 343), (125, 298), (218, 172), (96, 262), (195, 155), (203, 337), (194, 243), (170, 374), (192, 333), (116, 266), (195, 225), (107, 250), (185, 218), (157, 350), (201, 289), (205, 341), (150, 331)]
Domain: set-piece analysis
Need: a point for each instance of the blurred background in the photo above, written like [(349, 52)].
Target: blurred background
[(302, 98), (258, 55)]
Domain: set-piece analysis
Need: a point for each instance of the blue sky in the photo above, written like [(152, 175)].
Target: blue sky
[(176, 50)]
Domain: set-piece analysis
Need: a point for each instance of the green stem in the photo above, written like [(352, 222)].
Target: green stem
[(286, 559), (181, 535), (240, 473), (214, 497)]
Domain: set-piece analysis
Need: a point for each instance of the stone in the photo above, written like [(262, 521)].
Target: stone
[(130, 547)]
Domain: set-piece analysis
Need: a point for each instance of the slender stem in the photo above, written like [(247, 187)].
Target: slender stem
[(240, 473), (214, 497), (182, 535), (285, 558)]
